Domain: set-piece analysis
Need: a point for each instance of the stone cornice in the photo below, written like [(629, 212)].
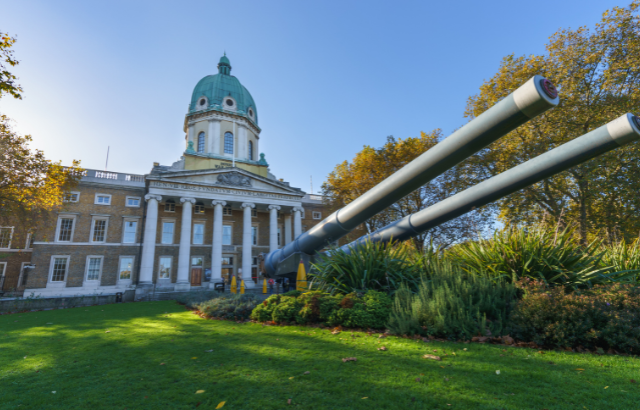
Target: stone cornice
[(222, 116)]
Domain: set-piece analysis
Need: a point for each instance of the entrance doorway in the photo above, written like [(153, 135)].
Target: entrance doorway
[(227, 269), (196, 271)]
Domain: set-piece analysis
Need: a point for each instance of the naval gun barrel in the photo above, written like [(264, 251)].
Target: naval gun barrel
[(615, 134), (533, 98)]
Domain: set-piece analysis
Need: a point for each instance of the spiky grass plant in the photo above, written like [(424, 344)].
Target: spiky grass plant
[(623, 260), (552, 256), (370, 266)]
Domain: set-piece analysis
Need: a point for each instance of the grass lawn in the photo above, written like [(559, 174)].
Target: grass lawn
[(155, 356)]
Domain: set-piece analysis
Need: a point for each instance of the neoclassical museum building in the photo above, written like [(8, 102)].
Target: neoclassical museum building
[(183, 226)]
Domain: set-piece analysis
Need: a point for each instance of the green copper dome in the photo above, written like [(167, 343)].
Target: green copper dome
[(210, 94)]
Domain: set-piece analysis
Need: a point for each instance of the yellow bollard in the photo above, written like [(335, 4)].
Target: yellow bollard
[(264, 286), (234, 285), (301, 280), (242, 286)]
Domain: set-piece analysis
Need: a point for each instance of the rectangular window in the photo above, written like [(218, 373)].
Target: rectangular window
[(279, 236), (130, 228), (167, 232), (126, 265), (24, 273), (198, 209), (71, 197), (6, 233), (254, 213), (165, 267), (59, 271), (198, 234), (133, 201), (317, 215), (99, 230), (196, 261), (227, 261), (254, 235), (93, 268), (226, 235), (226, 211), (3, 267), (170, 207), (302, 213), (103, 199), (65, 230)]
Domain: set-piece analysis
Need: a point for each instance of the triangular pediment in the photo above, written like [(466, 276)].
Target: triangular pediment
[(235, 178)]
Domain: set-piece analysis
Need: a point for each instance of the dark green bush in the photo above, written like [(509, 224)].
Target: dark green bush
[(606, 316), (369, 310), (230, 307), (294, 293), (453, 304), (370, 266), (192, 299)]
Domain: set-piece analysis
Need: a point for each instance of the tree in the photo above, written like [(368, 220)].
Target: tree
[(597, 73), (371, 166), (30, 185), (7, 80)]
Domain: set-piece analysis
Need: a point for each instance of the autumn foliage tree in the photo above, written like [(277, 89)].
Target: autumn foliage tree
[(30, 185), (371, 166), (597, 72)]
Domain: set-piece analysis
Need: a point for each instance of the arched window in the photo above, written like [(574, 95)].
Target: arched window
[(228, 143), (251, 150), (201, 142)]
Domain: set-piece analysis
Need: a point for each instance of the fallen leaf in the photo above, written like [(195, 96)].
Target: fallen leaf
[(161, 364), (364, 398), (442, 367), (289, 401), (208, 351), (220, 405), (291, 377), (632, 381), (193, 358), (446, 379), (464, 348), (432, 357), (507, 340), (418, 379), (606, 387), (580, 370), (199, 391), (108, 331), (349, 359), (53, 392), (307, 372), (383, 348)]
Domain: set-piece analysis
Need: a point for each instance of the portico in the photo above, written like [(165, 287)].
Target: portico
[(213, 197)]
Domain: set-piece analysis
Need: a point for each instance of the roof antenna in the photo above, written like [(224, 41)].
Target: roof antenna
[(107, 163)]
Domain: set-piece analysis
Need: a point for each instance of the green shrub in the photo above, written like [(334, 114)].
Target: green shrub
[(294, 293), (622, 260), (554, 257), (606, 316), (371, 266), (231, 307), (369, 310), (453, 304), (192, 299)]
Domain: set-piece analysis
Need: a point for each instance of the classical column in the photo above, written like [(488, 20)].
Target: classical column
[(191, 136), (149, 243), (184, 252), (214, 137), (273, 227), (216, 249), (287, 229), (297, 221), (247, 243)]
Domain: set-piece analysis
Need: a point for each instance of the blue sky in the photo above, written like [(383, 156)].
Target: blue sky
[(327, 76)]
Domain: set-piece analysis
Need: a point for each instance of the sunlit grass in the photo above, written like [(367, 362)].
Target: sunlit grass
[(262, 367)]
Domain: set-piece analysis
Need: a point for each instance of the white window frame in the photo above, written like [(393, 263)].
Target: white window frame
[(254, 240), (66, 273), (173, 232), (59, 223), (93, 225), (71, 193), (98, 195), (126, 201), (227, 211), (86, 269), (159, 267), (10, 235), (193, 232), (191, 265), (133, 265), (302, 213), (316, 215), (27, 244), (172, 207), (230, 236), (124, 223), (196, 207)]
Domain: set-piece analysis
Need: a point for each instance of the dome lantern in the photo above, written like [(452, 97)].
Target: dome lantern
[(224, 66)]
